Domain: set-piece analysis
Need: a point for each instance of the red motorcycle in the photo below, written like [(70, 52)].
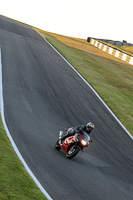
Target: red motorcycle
[(73, 144)]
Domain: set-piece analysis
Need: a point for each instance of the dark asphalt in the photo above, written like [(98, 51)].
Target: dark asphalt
[(43, 95)]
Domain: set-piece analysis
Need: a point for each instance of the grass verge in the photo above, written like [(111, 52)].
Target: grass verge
[(15, 182)]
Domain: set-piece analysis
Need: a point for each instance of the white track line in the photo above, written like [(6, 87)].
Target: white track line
[(11, 139), (90, 87)]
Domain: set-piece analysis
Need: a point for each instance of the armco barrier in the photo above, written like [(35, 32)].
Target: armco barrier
[(112, 51), (113, 42)]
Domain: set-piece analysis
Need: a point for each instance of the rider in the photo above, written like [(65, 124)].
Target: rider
[(79, 129)]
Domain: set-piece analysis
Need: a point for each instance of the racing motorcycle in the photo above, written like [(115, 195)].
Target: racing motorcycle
[(73, 144)]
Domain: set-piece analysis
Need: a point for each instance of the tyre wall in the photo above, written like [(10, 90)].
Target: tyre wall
[(113, 51)]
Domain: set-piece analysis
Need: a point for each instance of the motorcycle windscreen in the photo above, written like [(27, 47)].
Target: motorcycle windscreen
[(86, 137)]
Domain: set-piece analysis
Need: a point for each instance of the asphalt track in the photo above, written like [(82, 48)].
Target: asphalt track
[(43, 95)]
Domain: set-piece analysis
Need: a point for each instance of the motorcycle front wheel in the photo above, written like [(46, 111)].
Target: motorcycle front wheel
[(73, 151)]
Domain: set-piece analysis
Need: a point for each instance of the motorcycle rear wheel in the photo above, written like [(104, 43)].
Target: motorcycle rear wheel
[(57, 145), (72, 152)]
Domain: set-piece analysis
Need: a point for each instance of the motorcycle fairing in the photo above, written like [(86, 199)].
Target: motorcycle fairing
[(68, 141)]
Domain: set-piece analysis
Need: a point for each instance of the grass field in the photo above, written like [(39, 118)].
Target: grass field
[(112, 79)]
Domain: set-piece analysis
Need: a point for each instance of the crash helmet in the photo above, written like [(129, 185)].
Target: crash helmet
[(90, 126)]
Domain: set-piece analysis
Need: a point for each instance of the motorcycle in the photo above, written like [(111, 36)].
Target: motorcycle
[(73, 144)]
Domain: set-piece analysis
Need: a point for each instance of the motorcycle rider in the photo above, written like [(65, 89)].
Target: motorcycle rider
[(79, 130)]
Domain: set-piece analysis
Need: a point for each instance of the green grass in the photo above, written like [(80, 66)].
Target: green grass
[(113, 80), (15, 182)]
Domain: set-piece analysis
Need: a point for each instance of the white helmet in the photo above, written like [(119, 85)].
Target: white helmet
[(90, 125)]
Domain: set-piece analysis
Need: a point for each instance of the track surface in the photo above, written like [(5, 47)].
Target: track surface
[(43, 95)]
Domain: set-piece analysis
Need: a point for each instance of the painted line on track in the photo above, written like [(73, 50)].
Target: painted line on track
[(89, 86), (11, 139)]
